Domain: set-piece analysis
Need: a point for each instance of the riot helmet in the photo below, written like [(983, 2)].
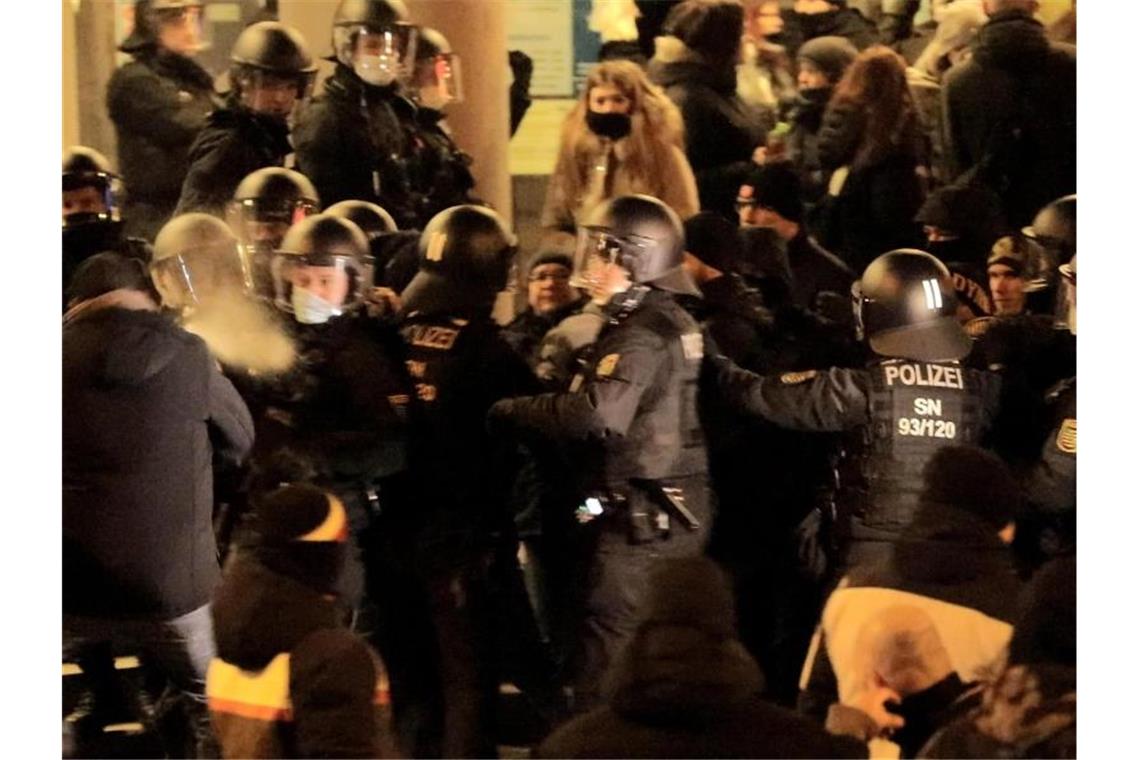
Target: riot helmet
[(321, 269), (373, 220), (180, 26), (271, 70), (1065, 313), (91, 189), (265, 205), (465, 255), (641, 235), (195, 261), (437, 80), (1055, 229), (375, 39), (906, 307)]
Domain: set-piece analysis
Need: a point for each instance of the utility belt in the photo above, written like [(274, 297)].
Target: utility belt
[(648, 510)]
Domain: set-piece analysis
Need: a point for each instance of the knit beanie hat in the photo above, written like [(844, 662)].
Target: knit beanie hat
[(714, 240), (964, 210), (971, 480), (105, 272), (776, 185), (712, 28), (301, 532), (831, 55)]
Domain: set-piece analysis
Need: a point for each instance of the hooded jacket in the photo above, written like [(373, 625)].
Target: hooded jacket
[(721, 131), (145, 410), (158, 103), (289, 680), (1011, 114), (234, 142)]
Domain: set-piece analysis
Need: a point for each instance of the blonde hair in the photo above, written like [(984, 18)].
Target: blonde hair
[(656, 130)]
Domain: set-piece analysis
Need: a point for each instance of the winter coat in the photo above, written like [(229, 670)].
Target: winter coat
[(950, 564), (564, 213), (354, 142), (525, 332), (158, 103), (721, 131), (442, 171), (874, 210), (1011, 115), (844, 22), (234, 142), (815, 270), (679, 692), (806, 118), (289, 680), (145, 410)]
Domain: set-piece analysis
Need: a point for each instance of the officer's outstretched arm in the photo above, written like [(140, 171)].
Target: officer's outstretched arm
[(818, 400), (606, 403)]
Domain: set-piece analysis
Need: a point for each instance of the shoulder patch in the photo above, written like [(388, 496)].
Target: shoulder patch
[(693, 344), (607, 365), (795, 378), (1067, 436)]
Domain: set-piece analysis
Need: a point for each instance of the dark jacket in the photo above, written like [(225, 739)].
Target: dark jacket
[(83, 241), (815, 270), (525, 332), (158, 103), (354, 142), (678, 692), (806, 118), (1011, 113), (442, 172), (289, 680), (952, 565), (875, 209), (234, 142), (145, 410), (844, 22), (721, 131)]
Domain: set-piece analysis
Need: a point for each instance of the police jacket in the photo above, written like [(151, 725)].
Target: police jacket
[(637, 397), (289, 680), (158, 103), (459, 366), (442, 174), (906, 411), (234, 142), (146, 413), (354, 142), (341, 407)]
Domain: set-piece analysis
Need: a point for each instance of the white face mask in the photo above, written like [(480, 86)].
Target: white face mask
[(431, 97), (377, 70), (311, 309)]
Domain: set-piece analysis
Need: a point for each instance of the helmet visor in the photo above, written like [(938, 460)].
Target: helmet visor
[(198, 276), (182, 27), (601, 262), (276, 94), (260, 226), (439, 80), (379, 57), (339, 280), (1065, 310)]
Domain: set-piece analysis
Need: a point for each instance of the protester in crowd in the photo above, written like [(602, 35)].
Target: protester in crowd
[(158, 103), (870, 141), (808, 19), (624, 136), (961, 223), (1006, 266), (550, 299), (695, 62), (765, 78)]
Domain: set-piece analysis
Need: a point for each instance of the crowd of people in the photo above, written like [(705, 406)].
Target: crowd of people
[(778, 459)]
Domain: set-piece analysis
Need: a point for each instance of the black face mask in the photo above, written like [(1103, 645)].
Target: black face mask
[(612, 125)]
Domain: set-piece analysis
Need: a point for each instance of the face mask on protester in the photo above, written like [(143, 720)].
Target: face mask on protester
[(612, 125)]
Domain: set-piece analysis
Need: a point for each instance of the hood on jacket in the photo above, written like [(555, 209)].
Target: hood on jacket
[(258, 614), (1012, 40), (142, 342), (675, 63)]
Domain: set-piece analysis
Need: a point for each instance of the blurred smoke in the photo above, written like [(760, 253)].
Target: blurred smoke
[(243, 333)]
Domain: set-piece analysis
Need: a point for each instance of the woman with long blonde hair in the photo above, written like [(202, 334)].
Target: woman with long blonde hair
[(624, 136)]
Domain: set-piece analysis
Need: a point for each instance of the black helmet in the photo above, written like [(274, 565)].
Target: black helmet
[(87, 167), (147, 16), (266, 203), (1055, 228), (195, 260), (269, 49), (326, 242), (374, 14), (641, 234), (465, 257), (370, 218), (906, 306), (438, 79), (387, 18)]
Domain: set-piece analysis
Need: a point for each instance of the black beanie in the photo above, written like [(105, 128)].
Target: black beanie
[(714, 240), (831, 55), (777, 186), (301, 532), (1046, 626), (550, 257), (964, 210), (713, 28), (972, 480), (105, 272)]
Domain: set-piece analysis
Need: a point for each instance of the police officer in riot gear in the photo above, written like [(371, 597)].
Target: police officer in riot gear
[(443, 174), (464, 541), (158, 103), (635, 406), (265, 205), (271, 74), (91, 222), (914, 398), (395, 252), (196, 264), (354, 141)]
